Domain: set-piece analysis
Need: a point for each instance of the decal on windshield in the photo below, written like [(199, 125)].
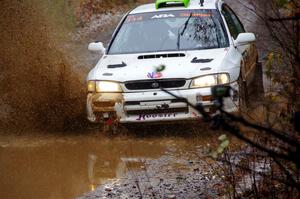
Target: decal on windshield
[(133, 18), (195, 14), (173, 14), (162, 16), (144, 117)]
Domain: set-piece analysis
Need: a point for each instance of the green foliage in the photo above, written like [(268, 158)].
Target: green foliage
[(224, 144), (269, 64), (281, 3), (273, 62)]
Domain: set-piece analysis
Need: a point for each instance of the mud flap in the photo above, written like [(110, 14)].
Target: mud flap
[(113, 129)]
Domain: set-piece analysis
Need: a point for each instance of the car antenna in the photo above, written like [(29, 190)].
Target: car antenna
[(201, 3)]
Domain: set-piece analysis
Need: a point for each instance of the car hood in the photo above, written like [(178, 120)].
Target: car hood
[(207, 62)]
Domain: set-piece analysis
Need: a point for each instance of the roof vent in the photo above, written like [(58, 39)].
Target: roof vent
[(166, 3)]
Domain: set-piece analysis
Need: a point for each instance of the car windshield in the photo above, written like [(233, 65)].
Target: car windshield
[(170, 31)]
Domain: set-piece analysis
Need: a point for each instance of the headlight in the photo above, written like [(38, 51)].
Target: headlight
[(210, 80), (104, 86)]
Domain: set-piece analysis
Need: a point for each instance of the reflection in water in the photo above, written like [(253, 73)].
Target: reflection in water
[(99, 172), (66, 168), (91, 164)]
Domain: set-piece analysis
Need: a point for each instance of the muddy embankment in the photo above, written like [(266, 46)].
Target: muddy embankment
[(37, 84), (44, 59)]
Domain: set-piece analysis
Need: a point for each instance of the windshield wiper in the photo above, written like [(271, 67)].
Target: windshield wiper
[(183, 30)]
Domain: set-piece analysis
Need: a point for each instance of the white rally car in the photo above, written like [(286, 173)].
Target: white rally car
[(183, 46)]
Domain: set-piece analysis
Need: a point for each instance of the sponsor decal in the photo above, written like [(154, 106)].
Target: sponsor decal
[(196, 14), (173, 14), (133, 18), (154, 75), (144, 117), (162, 16)]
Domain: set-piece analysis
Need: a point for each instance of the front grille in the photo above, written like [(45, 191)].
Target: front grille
[(155, 84), (158, 111)]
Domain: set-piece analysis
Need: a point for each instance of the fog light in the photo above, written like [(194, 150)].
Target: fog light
[(207, 98)]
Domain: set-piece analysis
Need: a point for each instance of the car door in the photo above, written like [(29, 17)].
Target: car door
[(249, 51)]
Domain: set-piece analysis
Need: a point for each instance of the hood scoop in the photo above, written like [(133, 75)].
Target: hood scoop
[(117, 65), (196, 60), (156, 56), (206, 68)]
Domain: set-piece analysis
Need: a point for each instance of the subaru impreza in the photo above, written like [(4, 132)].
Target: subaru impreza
[(182, 46)]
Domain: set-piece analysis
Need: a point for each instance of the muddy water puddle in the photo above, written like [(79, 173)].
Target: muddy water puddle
[(69, 166)]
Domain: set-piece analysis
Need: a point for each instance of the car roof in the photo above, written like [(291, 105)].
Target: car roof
[(194, 4)]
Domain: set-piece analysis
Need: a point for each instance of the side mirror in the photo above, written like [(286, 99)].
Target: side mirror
[(96, 46), (244, 39)]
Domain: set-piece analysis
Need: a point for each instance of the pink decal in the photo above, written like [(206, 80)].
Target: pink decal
[(154, 75), (195, 114), (158, 75)]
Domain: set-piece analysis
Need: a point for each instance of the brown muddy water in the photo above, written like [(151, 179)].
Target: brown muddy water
[(69, 166)]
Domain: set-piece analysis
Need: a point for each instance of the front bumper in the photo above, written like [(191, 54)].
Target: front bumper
[(153, 106)]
